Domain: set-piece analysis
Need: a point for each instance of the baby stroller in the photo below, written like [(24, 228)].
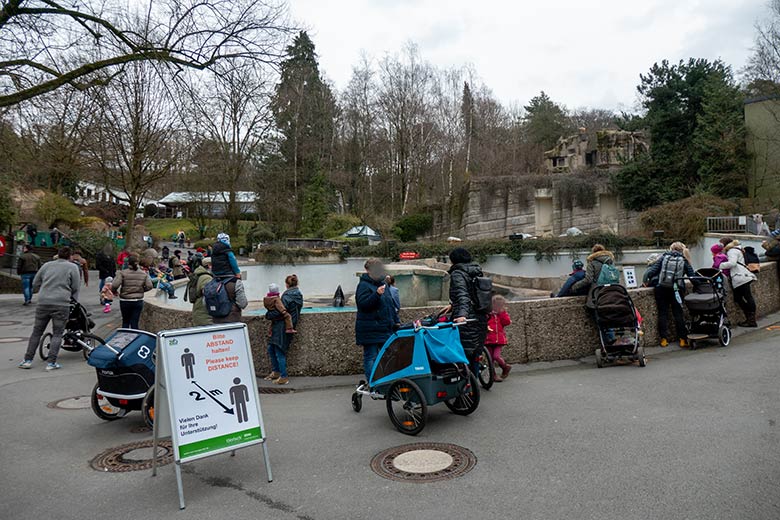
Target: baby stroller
[(77, 336), (706, 305), (618, 324), (421, 365), (125, 368)]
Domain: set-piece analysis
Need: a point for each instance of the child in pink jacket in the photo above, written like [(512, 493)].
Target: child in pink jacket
[(718, 257), (496, 336)]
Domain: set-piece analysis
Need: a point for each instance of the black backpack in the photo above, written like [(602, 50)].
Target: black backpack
[(672, 269), (482, 296), (191, 293)]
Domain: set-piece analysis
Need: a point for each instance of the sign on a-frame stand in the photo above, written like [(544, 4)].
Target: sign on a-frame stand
[(206, 395)]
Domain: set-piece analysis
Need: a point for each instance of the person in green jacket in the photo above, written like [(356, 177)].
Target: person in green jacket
[(200, 315)]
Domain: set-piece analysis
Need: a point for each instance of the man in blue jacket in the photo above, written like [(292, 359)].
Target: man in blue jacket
[(376, 317), (577, 274)]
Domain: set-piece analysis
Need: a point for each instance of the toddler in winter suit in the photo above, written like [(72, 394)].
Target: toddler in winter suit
[(496, 336), (107, 295), (273, 302), (718, 257)]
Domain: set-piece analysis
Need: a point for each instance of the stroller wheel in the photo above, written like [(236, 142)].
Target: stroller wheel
[(406, 407), (103, 408), (640, 355), (147, 408), (487, 371), (43, 346), (724, 336), (468, 401), (599, 358), (357, 402)]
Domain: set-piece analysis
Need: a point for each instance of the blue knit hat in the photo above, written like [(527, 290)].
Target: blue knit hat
[(224, 238)]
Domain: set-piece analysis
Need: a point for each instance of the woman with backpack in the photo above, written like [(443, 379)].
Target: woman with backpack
[(131, 284), (670, 271), (194, 293), (598, 258), (741, 280), (464, 298)]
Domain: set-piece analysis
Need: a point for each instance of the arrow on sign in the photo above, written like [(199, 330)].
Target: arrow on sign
[(227, 410)]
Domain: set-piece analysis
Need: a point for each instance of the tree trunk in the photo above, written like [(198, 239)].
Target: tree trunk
[(131, 220)]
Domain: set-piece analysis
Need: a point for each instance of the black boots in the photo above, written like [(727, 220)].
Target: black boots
[(750, 320)]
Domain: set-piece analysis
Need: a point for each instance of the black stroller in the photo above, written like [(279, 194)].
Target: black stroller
[(77, 336), (706, 305), (618, 324)]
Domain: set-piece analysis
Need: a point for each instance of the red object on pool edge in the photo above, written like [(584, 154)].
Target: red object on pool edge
[(409, 255)]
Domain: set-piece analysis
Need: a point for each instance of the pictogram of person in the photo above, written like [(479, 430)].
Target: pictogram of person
[(239, 395), (188, 362)]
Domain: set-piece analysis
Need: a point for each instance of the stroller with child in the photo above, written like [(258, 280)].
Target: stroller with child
[(420, 365), (77, 336), (125, 367), (618, 323), (706, 305)]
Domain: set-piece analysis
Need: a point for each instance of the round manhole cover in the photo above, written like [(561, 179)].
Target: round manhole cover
[(8, 323), (423, 462), (132, 457), (80, 402), (13, 340)]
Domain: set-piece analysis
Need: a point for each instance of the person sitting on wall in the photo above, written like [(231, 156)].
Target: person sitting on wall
[(596, 260), (577, 274)]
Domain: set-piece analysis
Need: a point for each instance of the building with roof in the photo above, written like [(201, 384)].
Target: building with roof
[(185, 204)]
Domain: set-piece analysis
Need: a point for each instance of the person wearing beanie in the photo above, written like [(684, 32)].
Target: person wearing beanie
[(107, 294), (577, 274), (279, 338), (741, 280), (273, 302), (223, 260), (463, 275)]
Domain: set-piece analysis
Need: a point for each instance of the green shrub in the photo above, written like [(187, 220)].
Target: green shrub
[(54, 209), (337, 224), (409, 227), (685, 219), (261, 232), (89, 241)]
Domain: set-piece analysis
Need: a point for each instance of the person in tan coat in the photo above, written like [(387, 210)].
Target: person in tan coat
[(131, 284)]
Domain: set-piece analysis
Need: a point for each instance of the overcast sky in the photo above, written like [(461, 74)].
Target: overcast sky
[(582, 53)]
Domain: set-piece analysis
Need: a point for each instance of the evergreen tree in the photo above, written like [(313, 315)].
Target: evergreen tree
[(317, 204), (545, 121), (304, 110)]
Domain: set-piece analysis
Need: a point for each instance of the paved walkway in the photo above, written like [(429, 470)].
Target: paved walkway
[(694, 435)]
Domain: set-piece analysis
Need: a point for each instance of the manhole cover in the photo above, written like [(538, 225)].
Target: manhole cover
[(12, 340), (135, 456), (273, 390), (80, 402), (423, 462), (8, 323)]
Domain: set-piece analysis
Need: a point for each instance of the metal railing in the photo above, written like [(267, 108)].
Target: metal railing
[(739, 224)]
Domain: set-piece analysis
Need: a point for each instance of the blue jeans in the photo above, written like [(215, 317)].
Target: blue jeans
[(167, 287), (369, 357), (278, 360), (27, 286)]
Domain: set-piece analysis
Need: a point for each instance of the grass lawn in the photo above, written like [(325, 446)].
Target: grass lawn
[(165, 228)]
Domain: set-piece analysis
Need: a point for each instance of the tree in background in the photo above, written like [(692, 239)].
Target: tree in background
[(546, 121), (45, 44), (54, 209), (317, 204), (675, 97), (304, 109)]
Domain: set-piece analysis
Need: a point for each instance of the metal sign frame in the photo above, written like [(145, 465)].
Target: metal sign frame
[(164, 413)]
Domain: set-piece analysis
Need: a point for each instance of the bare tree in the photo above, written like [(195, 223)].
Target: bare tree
[(137, 135), (46, 44), (231, 111)]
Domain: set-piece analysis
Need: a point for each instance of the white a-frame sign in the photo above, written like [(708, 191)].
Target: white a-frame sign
[(206, 395)]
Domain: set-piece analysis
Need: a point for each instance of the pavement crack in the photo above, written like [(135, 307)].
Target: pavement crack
[(225, 482)]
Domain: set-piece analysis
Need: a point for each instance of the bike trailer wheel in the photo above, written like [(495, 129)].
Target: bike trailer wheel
[(406, 407)]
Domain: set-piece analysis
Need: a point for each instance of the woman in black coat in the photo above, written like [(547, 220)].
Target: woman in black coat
[(462, 283), (376, 317)]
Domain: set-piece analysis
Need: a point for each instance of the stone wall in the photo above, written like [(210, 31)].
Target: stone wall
[(543, 330), (10, 284), (498, 211)]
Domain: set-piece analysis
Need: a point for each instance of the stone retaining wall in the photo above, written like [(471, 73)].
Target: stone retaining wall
[(543, 330), (10, 283)]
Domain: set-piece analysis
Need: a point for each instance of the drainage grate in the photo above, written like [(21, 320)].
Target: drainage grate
[(275, 390), (423, 462), (135, 456), (80, 402)]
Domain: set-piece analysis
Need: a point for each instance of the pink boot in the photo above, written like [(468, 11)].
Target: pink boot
[(107, 308)]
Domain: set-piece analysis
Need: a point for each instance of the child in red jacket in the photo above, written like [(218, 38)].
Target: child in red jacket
[(496, 336)]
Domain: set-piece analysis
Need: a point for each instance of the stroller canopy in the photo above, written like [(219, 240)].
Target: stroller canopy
[(443, 345), (135, 347)]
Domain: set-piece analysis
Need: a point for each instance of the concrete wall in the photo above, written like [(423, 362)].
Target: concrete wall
[(543, 330), (10, 284), (501, 211)]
